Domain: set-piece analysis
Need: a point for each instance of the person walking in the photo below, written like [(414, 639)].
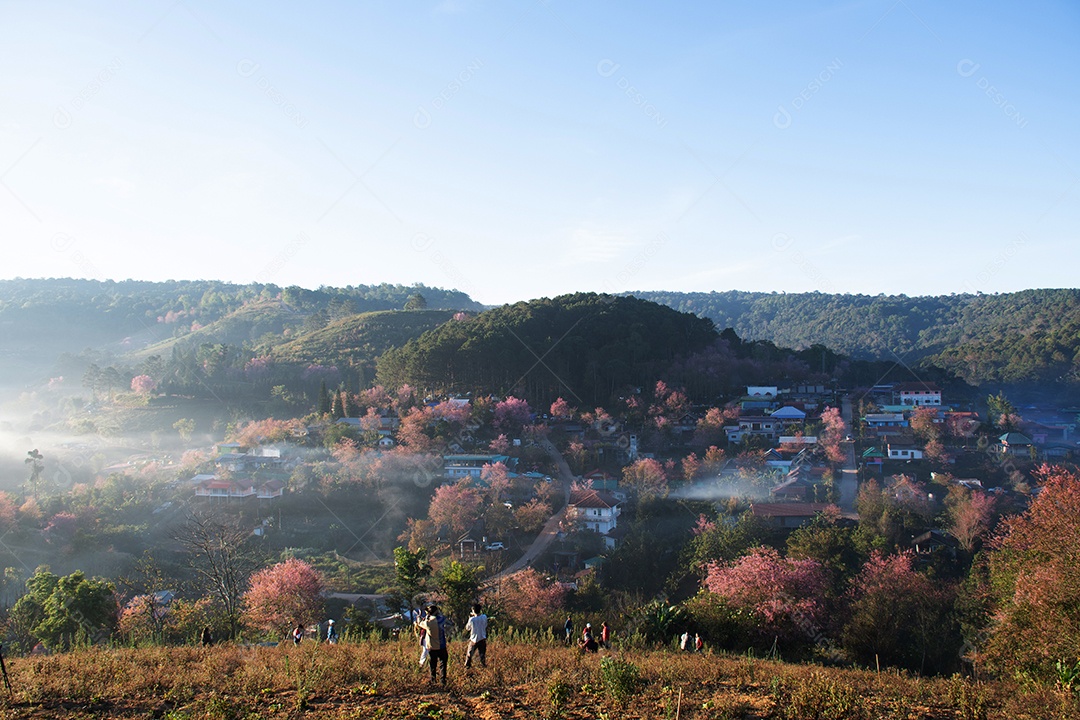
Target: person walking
[(605, 636), (331, 632), (434, 626), (207, 637), (699, 644), (477, 627), (297, 634), (684, 642), (568, 628)]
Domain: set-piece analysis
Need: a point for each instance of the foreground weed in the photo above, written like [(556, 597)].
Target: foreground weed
[(559, 693), (968, 698), (818, 697), (620, 679)]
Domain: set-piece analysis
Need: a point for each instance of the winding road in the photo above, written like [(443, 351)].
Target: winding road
[(551, 527)]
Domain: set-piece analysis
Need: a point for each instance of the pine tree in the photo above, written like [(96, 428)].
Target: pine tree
[(324, 399)]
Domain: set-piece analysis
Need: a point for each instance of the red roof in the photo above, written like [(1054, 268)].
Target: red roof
[(592, 499), (787, 509)]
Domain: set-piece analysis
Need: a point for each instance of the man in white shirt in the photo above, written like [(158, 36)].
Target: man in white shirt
[(477, 627)]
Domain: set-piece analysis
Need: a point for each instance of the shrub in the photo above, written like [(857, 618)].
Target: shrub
[(620, 679)]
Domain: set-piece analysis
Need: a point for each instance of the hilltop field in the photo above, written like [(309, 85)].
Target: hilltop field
[(381, 679)]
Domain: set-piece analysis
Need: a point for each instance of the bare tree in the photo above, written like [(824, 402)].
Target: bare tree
[(222, 555)]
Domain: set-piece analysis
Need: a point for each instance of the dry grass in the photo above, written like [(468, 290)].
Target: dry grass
[(383, 680)]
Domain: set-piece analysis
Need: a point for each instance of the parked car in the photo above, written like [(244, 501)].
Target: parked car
[(495, 546)]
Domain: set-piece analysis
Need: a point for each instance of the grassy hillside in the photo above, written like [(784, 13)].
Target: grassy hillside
[(246, 325), (360, 338), (382, 680)]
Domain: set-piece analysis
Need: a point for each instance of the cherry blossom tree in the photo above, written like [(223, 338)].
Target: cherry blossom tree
[(500, 444), (691, 466), (281, 596), (412, 431), (833, 431), (899, 616), (1035, 580), (258, 368), (710, 428), (532, 515), (376, 397), (269, 430), (511, 414), (143, 384), (647, 477), (784, 597), (561, 410), (970, 514), (455, 506), (527, 597), (497, 478)]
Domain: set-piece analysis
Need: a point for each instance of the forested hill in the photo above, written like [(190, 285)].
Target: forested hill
[(583, 347), (1024, 337), (40, 319)]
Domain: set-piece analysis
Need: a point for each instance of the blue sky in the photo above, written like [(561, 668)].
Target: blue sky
[(524, 149)]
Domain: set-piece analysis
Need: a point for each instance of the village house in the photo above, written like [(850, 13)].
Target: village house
[(903, 447), (1014, 443), (470, 465), (917, 394), (787, 514), (221, 489), (595, 510)]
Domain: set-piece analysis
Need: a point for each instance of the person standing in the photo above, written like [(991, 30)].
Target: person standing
[(568, 628), (297, 634), (331, 632), (699, 644), (207, 637), (477, 627), (605, 636), (434, 626)]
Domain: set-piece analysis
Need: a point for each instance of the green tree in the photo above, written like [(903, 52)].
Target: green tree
[(411, 571), (184, 426), (324, 399), (416, 301), (1000, 410), (64, 611), (459, 583)]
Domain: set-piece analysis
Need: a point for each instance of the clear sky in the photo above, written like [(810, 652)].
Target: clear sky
[(530, 148)]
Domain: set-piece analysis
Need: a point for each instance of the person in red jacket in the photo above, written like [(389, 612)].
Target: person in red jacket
[(605, 636)]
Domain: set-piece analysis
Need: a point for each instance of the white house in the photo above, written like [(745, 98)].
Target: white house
[(594, 510), (225, 489), (917, 394), (459, 466), (271, 489), (903, 448)]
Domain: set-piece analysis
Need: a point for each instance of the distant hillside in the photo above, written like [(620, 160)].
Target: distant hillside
[(44, 318), (1025, 337), (584, 347), (259, 320), (359, 338)]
